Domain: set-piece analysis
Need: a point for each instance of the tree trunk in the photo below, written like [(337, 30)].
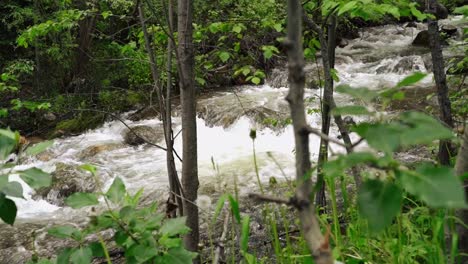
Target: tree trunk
[(165, 111), (317, 244), (173, 176), (84, 40), (189, 124), (328, 50), (445, 148), (461, 167)]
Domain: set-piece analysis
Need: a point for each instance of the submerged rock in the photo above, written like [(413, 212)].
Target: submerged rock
[(139, 135), (92, 151), (66, 180)]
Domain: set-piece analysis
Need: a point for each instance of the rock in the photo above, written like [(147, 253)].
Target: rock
[(92, 151), (141, 134), (449, 30), (49, 116), (148, 112), (422, 39), (66, 180), (343, 43), (441, 11), (411, 24)]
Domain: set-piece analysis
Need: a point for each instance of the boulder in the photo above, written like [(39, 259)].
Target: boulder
[(66, 180), (411, 24), (422, 39), (449, 30), (92, 151), (139, 135)]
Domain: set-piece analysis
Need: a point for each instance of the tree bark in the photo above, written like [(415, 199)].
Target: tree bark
[(317, 244), (165, 115), (189, 124), (445, 147), (461, 167), (328, 50)]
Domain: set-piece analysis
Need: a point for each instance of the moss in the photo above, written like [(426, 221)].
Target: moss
[(78, 124)]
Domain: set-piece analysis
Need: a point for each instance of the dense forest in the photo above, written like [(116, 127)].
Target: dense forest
[(248, 131)]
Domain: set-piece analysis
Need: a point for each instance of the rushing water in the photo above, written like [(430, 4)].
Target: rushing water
[(380, 58)]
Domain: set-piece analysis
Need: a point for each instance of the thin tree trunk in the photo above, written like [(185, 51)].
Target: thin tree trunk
[(84, 40), (461, 167), (317, 244), (445, 148), (165, 111), (327, 49), (173, 176), (189, 124)]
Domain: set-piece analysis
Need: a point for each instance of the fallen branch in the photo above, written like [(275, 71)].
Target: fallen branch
[(220, 244)]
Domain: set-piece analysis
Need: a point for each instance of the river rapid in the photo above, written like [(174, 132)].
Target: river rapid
[(380, 58)]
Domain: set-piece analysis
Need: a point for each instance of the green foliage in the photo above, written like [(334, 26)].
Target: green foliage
[(34, 177), (142, 233)]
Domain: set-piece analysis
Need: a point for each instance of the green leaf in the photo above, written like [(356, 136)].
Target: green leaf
[(89, 168), (36, 178), (82, 256), (436, 186), (415, 12), (422, 129), (278, 27), (337, 167), (175, 226), (39, 147), (64, 231), (463, 10), (224, 56), (78, 200), (379, 203), (412, 79), (178, 255), (97, 249), (358, 93), (116, 192), (141, 253), (351, 110), (245, 233), (13, 189), (3, 180), (237, 29), (106, 14), (8, 141), (64, 256), (8, 210), (256, 80), (219, 207), (235, 208), (383, 137), (170, 242), (345, 8)]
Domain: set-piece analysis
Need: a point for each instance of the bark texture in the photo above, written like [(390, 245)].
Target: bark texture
[(165, 110), (189, 125), (328, 59), (461, 167), (445, 148), (317, 244)]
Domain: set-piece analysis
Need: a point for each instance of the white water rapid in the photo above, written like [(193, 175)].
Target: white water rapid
[(380, 58)]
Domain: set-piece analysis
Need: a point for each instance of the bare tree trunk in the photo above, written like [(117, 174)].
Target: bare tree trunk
[(461, 167), (328, 50), (165, 111), (445, 147), (189, 124), (317, 244), (173, 176)]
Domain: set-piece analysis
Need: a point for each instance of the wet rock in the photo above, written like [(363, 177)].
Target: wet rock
[(449, 30), (343, 43), (139, 135), (148, 112), (66, 180), (422, 39), (92, 151), (411, 24)]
